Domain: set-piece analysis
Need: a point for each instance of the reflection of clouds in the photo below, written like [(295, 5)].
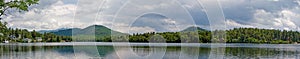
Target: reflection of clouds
[(154, 53), (138, 53), (121, 53)]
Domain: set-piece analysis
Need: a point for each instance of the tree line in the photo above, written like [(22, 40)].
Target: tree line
[(23, 35), (236, 35)]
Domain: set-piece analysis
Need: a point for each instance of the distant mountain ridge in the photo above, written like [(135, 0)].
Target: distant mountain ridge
[(48, 31), (97, 30)]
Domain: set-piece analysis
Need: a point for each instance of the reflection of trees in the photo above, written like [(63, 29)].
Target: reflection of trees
[(171, 52), (93, 51), (142, 51), (234, 52), (104, 50), (13, 51), (12, 48), (245, 53)]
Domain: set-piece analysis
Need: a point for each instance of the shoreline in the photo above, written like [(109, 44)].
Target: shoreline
[(156, 44)]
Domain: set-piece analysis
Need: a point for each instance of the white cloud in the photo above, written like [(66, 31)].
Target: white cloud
[(169, 21), (290, 19), (232, 24), (275, 0), (174, 12), (57, 15), (141, 29), (285, 20), (54, 14), (262, 17)]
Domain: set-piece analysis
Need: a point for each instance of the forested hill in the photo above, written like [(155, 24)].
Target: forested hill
[(98, 30), (194, 28)]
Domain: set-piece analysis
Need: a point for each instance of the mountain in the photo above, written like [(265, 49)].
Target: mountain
[(97, 30), (66, 32), (194, 28), (48, 31)]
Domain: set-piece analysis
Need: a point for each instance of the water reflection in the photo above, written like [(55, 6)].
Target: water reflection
[(35, 52), (171, 52)]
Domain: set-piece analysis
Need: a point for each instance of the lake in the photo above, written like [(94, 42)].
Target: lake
[(105, 50)]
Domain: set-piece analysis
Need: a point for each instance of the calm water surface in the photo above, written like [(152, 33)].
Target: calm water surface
[(102, 50)]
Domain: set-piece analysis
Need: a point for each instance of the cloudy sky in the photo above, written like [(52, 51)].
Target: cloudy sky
[(156, 15)]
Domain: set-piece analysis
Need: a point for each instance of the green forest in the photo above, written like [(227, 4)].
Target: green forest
[(25, 36), (236, 35)]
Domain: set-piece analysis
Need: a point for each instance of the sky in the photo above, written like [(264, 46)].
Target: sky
[(156, 15)]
